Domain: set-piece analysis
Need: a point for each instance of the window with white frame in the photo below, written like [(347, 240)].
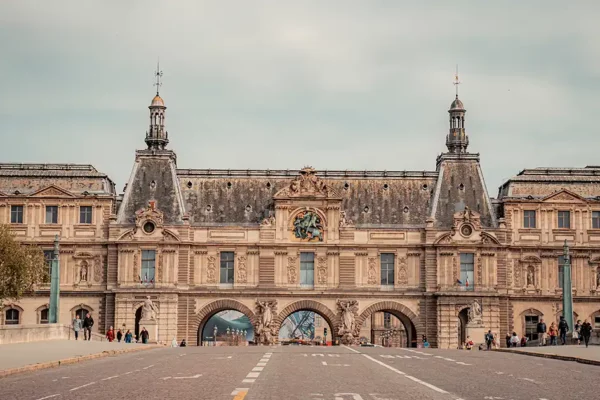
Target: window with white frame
[(307, 269)]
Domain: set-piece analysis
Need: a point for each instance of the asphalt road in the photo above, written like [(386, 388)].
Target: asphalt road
[(307, 373)]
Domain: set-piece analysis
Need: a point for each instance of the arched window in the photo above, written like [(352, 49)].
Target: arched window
[(44, 316), (12, 316)]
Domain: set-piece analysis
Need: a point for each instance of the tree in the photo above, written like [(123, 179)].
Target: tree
[(21, 266)]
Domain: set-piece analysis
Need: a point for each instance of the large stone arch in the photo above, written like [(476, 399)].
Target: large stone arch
[(214, 307), (309, 305), (400, 311)]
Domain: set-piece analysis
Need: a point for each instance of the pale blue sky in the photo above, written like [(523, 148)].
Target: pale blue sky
[(281, 84)]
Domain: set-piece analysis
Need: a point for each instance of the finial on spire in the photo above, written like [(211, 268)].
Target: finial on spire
[(456, 81), (158, 74)]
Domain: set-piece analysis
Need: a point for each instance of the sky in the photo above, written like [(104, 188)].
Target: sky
[(282, 84)]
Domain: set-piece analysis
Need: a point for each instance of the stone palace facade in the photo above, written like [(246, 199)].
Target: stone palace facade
[(429, 247)]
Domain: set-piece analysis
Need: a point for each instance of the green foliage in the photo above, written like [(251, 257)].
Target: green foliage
[(21, 266)]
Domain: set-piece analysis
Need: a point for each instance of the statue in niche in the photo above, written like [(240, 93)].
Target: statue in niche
[(265, 330), (530, 277), (348, 310), (598, 278), (475, 313), (308, 225), (83, 272), (149, 310)]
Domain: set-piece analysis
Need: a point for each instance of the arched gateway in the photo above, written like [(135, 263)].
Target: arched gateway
[(213, 308), (309, 305), (400, 311)]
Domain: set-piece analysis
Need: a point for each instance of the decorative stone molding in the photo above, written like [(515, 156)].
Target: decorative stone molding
[(200, 251), (292, 272), (413, 254), (372, 271), (333, 253), (242, 274), (361, 253), (307, 184), (322, 270), (402, 271), (280, 252), (211, 275)]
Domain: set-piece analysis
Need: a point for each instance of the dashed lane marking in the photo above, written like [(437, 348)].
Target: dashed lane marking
[(82, 386), (255, 369), (324, 362), (240, 395), (109, 378), (188, 377), (462, 363), (249, 380), (261, 364), (239, 390), (49, 397), (149, 366), (253, 375)]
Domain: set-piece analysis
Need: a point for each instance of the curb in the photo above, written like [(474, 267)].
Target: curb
[(553, 356), (73, 360)]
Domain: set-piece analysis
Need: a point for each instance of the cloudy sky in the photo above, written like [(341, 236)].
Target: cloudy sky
[(283, 84)]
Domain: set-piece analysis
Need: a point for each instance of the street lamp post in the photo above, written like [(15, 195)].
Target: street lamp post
[(215, 329), (567, 288), (54, 286)]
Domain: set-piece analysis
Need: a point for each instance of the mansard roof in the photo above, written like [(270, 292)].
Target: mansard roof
[(370, 198), (26, 179)]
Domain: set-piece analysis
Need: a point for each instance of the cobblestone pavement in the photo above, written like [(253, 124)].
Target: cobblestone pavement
[(307, 373)]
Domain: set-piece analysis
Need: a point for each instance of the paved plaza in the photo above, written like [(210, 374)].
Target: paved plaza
[(307, 373)]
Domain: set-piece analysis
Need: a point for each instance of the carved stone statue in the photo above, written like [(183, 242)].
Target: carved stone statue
[(530, 277), (265, 311), (149, 310), (475, 313), (83, 272), (344, 220), (598, 278), (348, 310), (269, 221)]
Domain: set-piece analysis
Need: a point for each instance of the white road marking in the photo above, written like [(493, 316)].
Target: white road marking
[(188, 377), (499, 373), (249, 380), (387, 356), (127, 373), (238, 390), (261, 364), (253, 375), (354, 396), (528, 379), (181, 355), (318, 355), (449, 359), (258, 369), (264, 360), (267, 356), (49, 397), (324, 362), (54, 380), (149, 366), (333, 355), (412, 378), (462, 363), (165, 378), (82, 386), (351, 349), (110, 377)]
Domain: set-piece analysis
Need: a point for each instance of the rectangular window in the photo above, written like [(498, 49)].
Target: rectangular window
[(85, 214), (564, 219), (227, 267), (148, 266), (318, 321), (531, 322), (561, 263), (16, 214), (595, 219), (307, 269), (387, 269), (44, 316), (597, 322), (466, 270), (387, 320), (48, 255), (52, 214), (529, 219)]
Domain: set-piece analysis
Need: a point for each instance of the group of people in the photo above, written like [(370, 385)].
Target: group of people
[(128, 336), (87, 323), (581, 330)]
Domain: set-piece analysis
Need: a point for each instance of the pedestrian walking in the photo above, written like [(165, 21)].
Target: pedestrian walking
[(144, 335), (128, 336), (110, 335), (507, 339), (563, 328), (577, 331), (77, 326), (586, 332), (514, 340), (489, 339), (553, 332), (88, 323), (119, 336), (541, 330)]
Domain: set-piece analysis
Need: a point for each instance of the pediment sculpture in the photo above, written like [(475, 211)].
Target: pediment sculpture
[(308, 184), (308, 225), (467, 217), (151, 213)]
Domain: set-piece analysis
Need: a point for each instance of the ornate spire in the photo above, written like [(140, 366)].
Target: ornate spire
[(457, 139), (157, 137)]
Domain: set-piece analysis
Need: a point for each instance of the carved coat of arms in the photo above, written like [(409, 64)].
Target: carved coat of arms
[(308, 225)]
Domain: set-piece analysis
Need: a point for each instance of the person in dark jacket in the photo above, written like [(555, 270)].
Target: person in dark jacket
[(489, 339), (563, 328), (541, 330), (144, 335), (586, 332), (183, 343), (88, 323), (119, 336)]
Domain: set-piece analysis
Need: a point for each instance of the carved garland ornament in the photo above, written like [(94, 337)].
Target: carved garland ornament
[(402, 272), (211, 276), (292, 273), (322, 270), (97, 269), (242, 275), (479, 271), (372, 272)]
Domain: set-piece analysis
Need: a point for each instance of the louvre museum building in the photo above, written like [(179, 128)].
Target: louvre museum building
[(391, 257)]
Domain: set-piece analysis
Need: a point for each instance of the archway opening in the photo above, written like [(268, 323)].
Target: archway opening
[(305, 327), (463, 318), (226, 328), (385, 329)]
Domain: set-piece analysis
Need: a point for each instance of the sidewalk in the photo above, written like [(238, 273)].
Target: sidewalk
[(590, 355), (21, 357)]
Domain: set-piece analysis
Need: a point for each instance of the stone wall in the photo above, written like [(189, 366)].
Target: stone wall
[(33, 333)]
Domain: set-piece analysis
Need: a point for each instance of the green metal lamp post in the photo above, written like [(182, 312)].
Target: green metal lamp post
[(54, 285), (567, 288)]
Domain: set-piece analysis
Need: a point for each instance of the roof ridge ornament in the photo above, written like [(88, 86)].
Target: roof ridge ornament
[(307, 184)]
